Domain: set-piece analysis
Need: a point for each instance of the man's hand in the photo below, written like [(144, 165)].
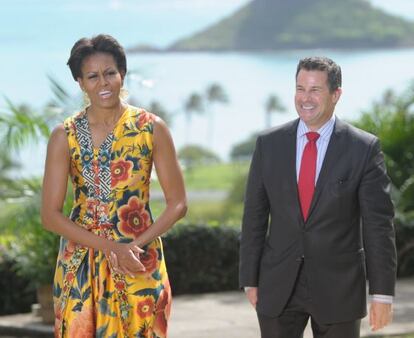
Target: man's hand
[(251, 293), (380, 315)]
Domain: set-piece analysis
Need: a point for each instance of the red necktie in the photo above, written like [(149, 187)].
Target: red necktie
[(307, 173)]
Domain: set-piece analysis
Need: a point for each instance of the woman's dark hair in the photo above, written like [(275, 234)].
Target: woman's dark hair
[(101, 43)]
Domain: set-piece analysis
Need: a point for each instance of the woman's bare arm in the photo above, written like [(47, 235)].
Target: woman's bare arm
[(171, 181)]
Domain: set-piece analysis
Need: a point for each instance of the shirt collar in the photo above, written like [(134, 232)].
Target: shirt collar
[(325, 131)]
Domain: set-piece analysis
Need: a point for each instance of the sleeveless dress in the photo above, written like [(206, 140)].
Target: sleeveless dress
[(111, 199)]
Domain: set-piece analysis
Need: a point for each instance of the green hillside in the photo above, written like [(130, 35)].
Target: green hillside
[(287, 24)]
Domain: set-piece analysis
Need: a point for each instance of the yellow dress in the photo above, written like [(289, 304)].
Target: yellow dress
[(111, 199)]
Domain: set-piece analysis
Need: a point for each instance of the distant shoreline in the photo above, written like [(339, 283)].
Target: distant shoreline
[(156, 50)]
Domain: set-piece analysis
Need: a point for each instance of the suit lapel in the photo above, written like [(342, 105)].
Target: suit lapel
[(336, 147), (290, 169)]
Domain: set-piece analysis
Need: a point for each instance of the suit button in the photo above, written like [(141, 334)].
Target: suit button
[(300, 259)]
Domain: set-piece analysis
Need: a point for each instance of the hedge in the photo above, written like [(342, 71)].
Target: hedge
[(202, 258), (16, 293)]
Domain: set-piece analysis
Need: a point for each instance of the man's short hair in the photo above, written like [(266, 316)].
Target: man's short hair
[(323, 64)]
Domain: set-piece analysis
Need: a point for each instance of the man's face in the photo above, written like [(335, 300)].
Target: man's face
[(314, 102)]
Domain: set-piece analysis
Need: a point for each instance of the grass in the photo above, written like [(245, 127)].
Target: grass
[(222, 177), (204, 212), (210, 177)]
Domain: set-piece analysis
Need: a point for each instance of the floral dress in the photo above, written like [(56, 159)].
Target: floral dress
[(111, 199)]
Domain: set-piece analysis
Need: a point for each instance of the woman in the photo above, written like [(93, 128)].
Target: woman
[(111, 279)]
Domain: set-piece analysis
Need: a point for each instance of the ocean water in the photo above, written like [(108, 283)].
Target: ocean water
[(36, 37)]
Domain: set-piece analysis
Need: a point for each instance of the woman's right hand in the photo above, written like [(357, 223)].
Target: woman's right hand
[(124, 258)]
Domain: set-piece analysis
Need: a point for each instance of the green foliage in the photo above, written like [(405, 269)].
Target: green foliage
[(35, 255), (8, 186), (194, 104), (33, 249), (405, 248), (392, 120), (16, 293), (280, 24), (192, 155), (236, 193), (158, 109), (273, 104), (244, 150), (215, 93), (217, 176), (19, 126), (61, 105), (202, 258)]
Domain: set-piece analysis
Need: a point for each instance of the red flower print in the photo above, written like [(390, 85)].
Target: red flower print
[(120, 171), (83, 324), (149, 259), (162, 313), (120, 285), (145, 308), (58, 319), (91, 204), (134, 219), (103, 208), (70, 248), (58, 311), (144, 118), (70, 277)]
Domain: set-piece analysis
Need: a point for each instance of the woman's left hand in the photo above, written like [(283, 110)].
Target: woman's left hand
[(126, 260)]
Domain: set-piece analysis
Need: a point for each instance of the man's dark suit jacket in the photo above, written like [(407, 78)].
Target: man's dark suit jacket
[(347, 238)]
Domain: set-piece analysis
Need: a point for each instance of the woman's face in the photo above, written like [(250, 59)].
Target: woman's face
[(101, 80)]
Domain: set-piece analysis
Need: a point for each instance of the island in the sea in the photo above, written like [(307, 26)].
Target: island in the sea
[(264, 25)]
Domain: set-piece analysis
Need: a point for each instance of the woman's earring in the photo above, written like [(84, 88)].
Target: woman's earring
[(123, 94), (86, 100)]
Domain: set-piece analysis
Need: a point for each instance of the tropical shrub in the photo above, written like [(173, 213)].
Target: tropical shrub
[(392, 120), (202, 258), (16, 293)]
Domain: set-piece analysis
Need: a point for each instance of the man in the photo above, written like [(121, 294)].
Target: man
[(324, 186)]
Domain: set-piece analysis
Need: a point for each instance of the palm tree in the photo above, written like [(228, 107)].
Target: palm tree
[(9, 188), (20, 125), (272, 105), (215, 94), (158, 109), (194, 104), (62, 103)]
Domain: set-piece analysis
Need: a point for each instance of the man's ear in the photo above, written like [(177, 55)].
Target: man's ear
[(337, 94)]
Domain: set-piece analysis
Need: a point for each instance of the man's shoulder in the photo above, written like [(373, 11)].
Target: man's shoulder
[(354, 133), (280, 131)]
